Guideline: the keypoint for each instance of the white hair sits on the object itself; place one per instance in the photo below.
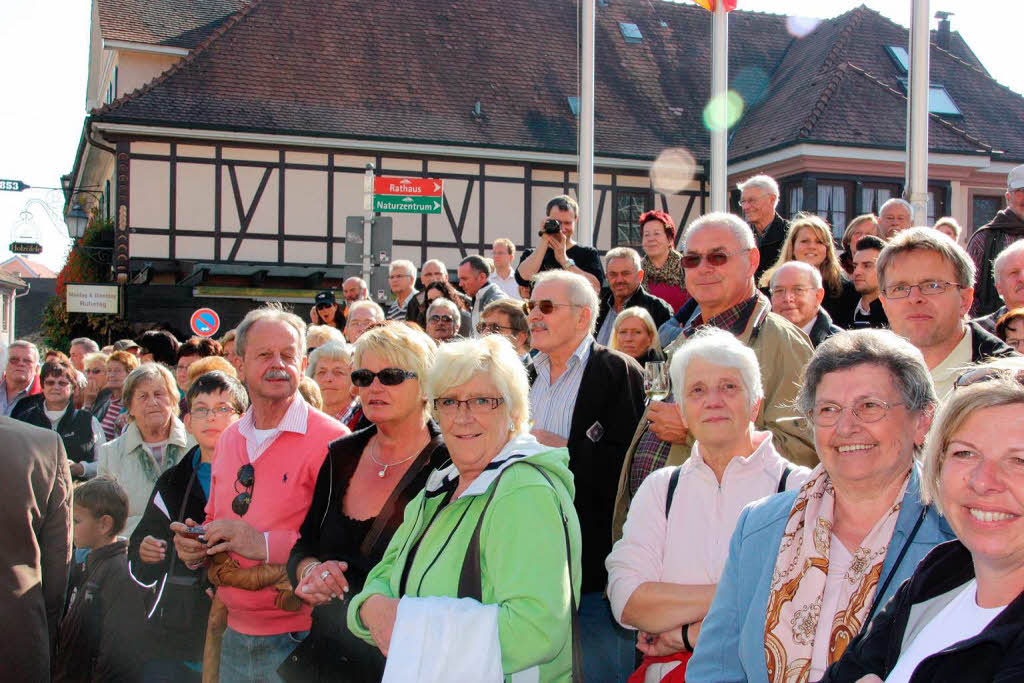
(806, 268)
(1014, 249)
(90, 345)
(494, 357)
(332, 350)
(272, 312)
(737, 226)
(579, 291)
(896, 201)
(622, 252)
(403, 263)
(437, 262)
(447, 304)
(373, 306)
(763, 182)
(718, 347)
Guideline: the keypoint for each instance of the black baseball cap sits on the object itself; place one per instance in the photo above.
(325, 298)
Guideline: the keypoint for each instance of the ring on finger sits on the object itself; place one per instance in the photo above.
(324, 574)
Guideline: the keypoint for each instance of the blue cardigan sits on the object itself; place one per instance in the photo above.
(730, 646)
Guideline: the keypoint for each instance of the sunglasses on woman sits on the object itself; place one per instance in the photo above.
(987, 374)
(389, 377)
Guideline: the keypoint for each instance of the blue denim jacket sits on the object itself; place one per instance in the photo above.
(730, 646)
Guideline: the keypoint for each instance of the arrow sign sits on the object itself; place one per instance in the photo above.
(12, 185)
(388, 204)
(407, 187)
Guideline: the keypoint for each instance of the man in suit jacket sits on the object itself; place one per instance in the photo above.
(473, 278)
(35, 548)
(588, 398)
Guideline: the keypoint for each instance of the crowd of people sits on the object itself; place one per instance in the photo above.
(756, 451)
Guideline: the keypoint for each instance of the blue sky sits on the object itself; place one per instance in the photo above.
(44, 50)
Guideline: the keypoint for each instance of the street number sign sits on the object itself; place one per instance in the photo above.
(12, 185)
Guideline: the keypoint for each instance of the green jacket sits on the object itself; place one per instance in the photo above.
(522, 553)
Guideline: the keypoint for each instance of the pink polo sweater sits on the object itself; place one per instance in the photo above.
(285, 476)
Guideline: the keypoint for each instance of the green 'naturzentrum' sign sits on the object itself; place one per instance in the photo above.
(398, 204)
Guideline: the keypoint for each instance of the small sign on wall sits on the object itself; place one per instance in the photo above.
(92, 298)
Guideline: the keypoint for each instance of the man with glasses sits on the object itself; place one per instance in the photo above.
(926, 282)
(868, 312)
(402, 280)
(759, 200)
(589, 399)
(720, 259)
(20, 381)
(507, 318)
(1006, 228)
(797, 292)
(261, 485)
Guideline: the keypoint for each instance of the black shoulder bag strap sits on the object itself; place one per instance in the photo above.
(784, 478)
(388, 510)
(470, 585)
(875, 603)
(673, 481)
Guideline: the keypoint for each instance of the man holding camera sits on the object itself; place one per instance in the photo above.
(557, 250)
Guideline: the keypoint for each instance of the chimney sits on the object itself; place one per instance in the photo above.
(942, 37)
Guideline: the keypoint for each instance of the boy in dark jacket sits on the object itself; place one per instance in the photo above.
(99, 634)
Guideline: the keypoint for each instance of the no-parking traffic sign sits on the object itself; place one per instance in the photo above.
(205, 322)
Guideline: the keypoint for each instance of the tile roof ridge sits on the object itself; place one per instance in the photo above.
(188, 59)
(980, 71)
(829, 89)
(934, 117)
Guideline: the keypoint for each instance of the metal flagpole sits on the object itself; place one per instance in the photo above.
(585, 191)
(719, 118)
(917, 113)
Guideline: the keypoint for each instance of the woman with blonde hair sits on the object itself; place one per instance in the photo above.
(635, 334)
(810, 240)
(861, 226)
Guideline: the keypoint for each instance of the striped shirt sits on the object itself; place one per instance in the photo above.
(552, 404)
(257, 441)
(397, 309)
(109, 421)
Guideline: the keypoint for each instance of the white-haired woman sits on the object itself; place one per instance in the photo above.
(960, 617)
(635, 334)
(330, 366)
(662, 573)
(153, 442)
(496, 528)
(318, 335)
(363, 487)
(808, 568)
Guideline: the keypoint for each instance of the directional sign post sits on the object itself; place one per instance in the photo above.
(205, 322)
(12, 185)
(407, 195)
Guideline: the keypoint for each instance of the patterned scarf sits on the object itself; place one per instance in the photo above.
(671, 273)
(798, 581)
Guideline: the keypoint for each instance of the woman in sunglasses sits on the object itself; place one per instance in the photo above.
(95, 370)
(960, 616)
(445, 290)
(496, 528)
(361, 493)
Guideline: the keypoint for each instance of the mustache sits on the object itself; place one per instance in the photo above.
(538, 326)
(275, 374)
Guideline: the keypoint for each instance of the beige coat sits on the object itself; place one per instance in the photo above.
(782, 351)
(126, 460)
(35, 547)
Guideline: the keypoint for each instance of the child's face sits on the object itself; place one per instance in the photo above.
(209, 415)
(91, 531)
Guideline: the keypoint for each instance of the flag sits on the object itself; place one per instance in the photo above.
(709, 5)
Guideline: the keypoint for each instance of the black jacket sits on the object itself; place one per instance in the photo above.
(75, 429)
(99, 634)
(587, 259)
(100, 405)
(179, 594)
(994, 655)
(876, 317)
(985, 345)
(608, 408)
(823, 328)
(988, 322)
(769, 244)
(840, 304)
(984, 245)
(656, 306)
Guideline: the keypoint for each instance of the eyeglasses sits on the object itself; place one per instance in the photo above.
(783, 292)
(866, 410)
(389, 377)
(204, 413)
(62, 383)
(692, 259)
(546, 306)
(493, 328)
(441, 319)
(928, 288)
(476, 406)
(246, 478)
(986, 374)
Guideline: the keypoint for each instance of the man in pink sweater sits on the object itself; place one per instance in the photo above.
(261, 485)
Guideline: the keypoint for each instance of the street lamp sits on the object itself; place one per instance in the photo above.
(77, 219)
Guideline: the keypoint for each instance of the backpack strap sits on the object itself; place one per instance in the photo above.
(673, 481)
(470, 580)
(784, 478)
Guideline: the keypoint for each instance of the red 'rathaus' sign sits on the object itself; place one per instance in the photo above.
(407, 187)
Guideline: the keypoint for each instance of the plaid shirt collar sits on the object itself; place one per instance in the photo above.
(733, 320)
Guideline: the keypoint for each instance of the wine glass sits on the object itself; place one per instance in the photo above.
(656, 380)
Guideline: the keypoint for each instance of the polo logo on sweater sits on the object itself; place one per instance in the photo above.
(284, 479)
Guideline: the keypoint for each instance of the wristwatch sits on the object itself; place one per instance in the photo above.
(569, 263)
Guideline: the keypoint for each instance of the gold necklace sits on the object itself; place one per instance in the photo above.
(382, 473)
